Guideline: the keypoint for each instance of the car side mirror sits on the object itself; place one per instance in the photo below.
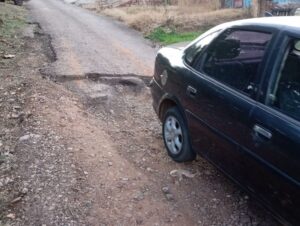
(227, 49)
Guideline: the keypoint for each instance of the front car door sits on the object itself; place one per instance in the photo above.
(273, 145)
(221, 88)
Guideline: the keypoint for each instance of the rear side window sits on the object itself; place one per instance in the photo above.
(234, 58)
(286, 94)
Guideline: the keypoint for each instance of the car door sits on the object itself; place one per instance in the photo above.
(220, 91)
(273, 145)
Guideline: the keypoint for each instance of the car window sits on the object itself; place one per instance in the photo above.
(286, 94)
(199, 46)
(235, 57)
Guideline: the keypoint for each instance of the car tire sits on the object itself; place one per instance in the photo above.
(175, 135)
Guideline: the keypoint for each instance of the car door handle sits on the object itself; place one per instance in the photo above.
(262, 132)
(191, 91)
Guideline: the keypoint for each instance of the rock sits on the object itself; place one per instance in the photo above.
(23, 138)
(28, 136)
(149, 169)
(14, 116)
(170, 197)
(11, 216)
(110, 163)
(180, 173)
(139, 196)
(24, 191)
(17, 107)
(18, 199)
(9, 56)
(166, 190)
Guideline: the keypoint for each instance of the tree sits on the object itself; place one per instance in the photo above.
(258, 7)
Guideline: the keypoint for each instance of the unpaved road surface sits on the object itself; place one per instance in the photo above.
(86, 43)
(90, 150)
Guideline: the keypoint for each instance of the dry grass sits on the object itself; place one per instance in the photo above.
(179, 18)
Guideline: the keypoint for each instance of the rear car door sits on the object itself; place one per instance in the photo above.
(220, 91)
(273, 145)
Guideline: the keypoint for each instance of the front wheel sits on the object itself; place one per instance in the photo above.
(176, 139)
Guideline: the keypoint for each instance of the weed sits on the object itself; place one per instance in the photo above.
(12, 20)
(166, 37)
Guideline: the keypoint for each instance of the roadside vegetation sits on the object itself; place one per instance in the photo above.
(166, 36)
(12, 20)
(176, 23)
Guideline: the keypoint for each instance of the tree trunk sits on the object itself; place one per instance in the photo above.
(258, 7)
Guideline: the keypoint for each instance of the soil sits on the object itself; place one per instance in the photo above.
(88, 151)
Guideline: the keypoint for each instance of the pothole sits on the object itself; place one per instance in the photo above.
(123, 79)
(105, 93)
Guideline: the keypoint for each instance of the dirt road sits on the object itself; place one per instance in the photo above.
(87, 43)
(92, 153)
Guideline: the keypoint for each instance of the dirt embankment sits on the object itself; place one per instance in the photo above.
(39, 181)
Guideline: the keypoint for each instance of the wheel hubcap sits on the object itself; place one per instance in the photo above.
(173, 135)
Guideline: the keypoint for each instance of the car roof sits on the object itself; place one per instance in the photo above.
(273, 22)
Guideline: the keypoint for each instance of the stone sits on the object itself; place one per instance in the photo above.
(170, 197)
(9, 56)
(24, 191)
(11, 216)
(23, 138)
(18, 199)
(180, 173)
(166, 190)
(139, 196)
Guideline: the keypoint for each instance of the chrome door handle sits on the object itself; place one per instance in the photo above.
(191, 91)
(262, 131)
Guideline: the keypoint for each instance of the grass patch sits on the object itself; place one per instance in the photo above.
(165, 37)
(12, 20)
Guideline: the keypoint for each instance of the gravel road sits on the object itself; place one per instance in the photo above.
(86, 43)
(107, 139)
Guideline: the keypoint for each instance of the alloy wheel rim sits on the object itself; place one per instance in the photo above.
(173, 135)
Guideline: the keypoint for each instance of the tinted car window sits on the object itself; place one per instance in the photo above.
(235, 57)
(287, 93)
